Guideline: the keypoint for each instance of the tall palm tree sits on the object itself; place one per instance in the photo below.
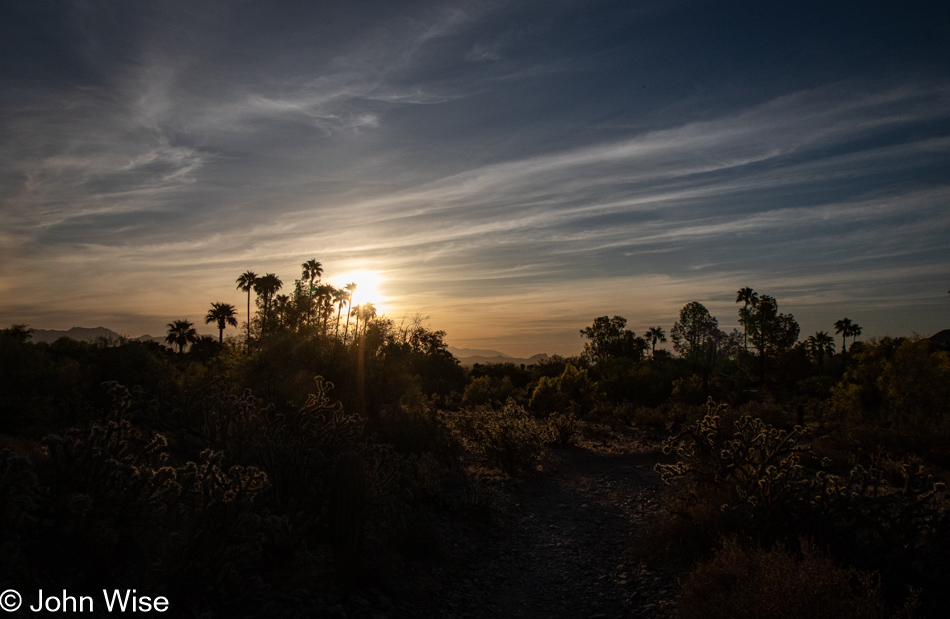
(369, 313)
(223, 314)
(819, 345)
(341, 297)
(350, 288)
(181, 333)
(312, 271)
(654, 335)
(246, 283)
(282, 310)
(748, 297)
(844, 327)
(358, 312)
(854, 332)
(266, 287)
(325, 303)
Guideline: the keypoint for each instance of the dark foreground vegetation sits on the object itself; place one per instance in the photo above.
(314, 454)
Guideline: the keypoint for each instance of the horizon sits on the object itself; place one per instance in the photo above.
(510, 170)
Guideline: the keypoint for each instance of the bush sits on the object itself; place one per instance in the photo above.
(896, 394)
(571, 391)
(750, 478)
(486, 390)
(510, 437)
(564, 428)
(742, 582)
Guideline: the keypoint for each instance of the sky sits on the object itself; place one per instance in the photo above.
(511, 170)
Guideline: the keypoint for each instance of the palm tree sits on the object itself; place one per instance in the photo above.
(181, 333)
(369, 312)
(223, 314)
(325, 294)
(282, 307)
(350, 288)
(341, 297)
(266, 287)
(748, 297)
(358, 312)
(654, 335)
(312, 271)
(844, 327)
(854, 332)
(819, 345)
(246, 283)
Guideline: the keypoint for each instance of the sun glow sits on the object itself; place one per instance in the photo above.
(368, 285)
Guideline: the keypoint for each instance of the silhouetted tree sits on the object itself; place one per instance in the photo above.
(771, 333)
(655, 335)
(854, 332)
(367, 312)
(324, 303)
(748, 297)
(222, 314)
(181, 333)
(608, 338)
(819, 345)
(246, 282)
(696, 338)
(312, 271)
(350, 289)
(341, 297)
(843, 327)
(266, 287)
(19, 333)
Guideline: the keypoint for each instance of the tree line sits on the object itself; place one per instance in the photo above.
(310, 305)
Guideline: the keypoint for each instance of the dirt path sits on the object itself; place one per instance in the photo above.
(564, 549)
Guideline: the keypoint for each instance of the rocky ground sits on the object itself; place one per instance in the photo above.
(565, 546)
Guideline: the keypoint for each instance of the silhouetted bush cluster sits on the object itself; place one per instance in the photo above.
(508, 437)
(746, 582)
(749, 477)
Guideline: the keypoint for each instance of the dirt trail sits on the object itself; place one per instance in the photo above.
(564, 550)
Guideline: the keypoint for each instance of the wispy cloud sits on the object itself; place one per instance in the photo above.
(509, 172)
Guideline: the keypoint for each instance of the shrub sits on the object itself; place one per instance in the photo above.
(743, 582)
(564, 428)
(486, 390)
(750, 478)
(510, 437)
(571, 391)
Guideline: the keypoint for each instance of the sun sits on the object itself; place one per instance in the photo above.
(368, 285)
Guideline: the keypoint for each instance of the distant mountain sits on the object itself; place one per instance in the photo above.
(475, 352)
(83, 334)
(470, 356)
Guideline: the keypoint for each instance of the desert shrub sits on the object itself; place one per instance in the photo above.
(108, 505)
(546, 396)
(486, 390)
(519, 376)
(415, 426)
(896, 391)
(508, 437)
(749, 477)
(628, 380)
(690, 390)
(564, 428)
(644, 417)
(571, 391)
(746, 582)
